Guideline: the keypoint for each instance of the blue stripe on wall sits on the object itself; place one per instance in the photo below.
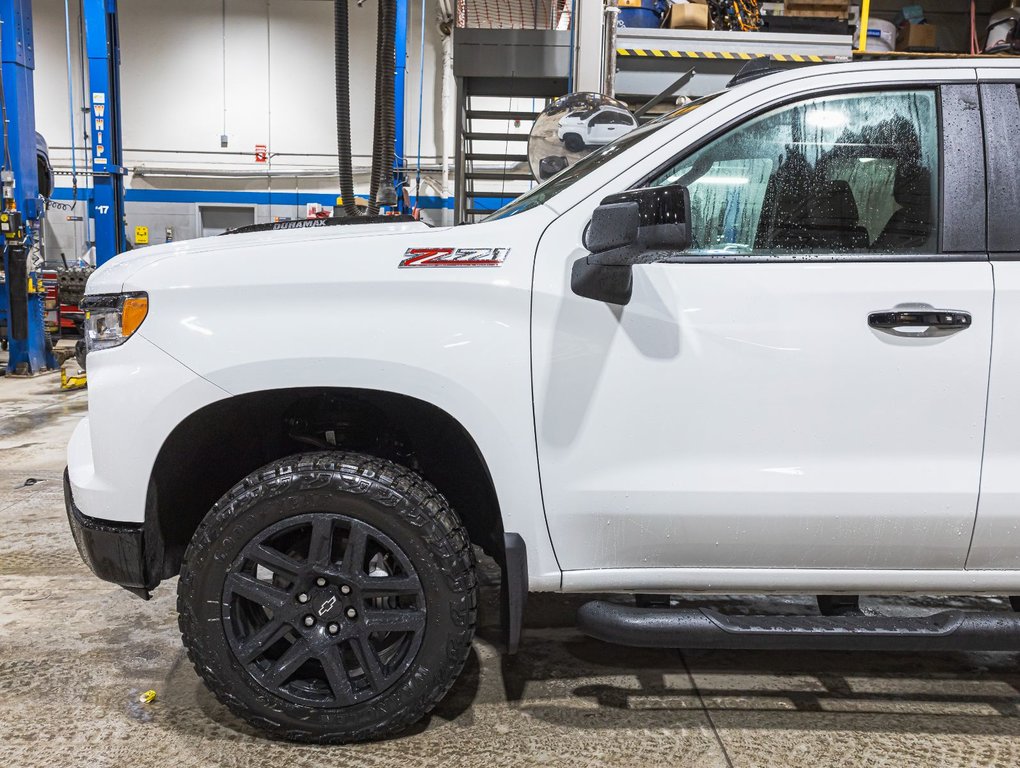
(490, 203)
(237, 197)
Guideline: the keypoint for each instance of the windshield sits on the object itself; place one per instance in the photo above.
(586, 165)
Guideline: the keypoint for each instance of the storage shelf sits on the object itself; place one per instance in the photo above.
(767, 43)
(648, 60)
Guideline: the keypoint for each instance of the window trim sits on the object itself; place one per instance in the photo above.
(943, 207)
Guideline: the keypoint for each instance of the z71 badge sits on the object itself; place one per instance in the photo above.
(455, 257)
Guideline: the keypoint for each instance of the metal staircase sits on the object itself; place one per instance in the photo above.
(493, 155)
(509, 59)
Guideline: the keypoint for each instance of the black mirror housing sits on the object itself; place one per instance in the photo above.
(612, 285)
(631, 227)
(628, 228)
(613, 226)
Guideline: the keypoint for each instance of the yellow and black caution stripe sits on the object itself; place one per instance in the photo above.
(656, 53)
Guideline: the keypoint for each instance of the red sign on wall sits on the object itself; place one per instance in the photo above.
(261, 153)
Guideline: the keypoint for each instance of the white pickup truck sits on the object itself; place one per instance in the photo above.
(595, 127)
(766, 344)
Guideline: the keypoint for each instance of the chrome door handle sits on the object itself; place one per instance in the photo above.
(919, 320)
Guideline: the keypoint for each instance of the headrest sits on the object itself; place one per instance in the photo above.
(912, 184)
(833, 201)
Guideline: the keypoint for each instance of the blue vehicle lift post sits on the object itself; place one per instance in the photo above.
(399, 93)
(23, 298)
(102, 43)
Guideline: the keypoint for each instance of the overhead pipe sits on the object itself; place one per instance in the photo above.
(612, 18)
(449, 112)
(70, 105)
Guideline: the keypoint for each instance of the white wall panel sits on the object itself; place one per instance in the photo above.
(268, 63)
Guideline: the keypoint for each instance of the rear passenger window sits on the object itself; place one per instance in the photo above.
(839, 174)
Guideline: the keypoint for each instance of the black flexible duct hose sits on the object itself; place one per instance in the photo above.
(376, 138)
(377, 127)
(387, 196)
(385, 118)
(342, 46)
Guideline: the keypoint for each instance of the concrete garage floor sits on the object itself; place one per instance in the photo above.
(76, 652)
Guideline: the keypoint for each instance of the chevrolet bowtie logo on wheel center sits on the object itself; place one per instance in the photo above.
(327, 606)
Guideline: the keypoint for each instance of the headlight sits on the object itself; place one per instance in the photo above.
(111, 319)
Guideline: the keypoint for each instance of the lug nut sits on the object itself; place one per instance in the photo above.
(333, 628)
(309, 621)
(351, 613)
(302, 598)
(320, 582)
(345, 590)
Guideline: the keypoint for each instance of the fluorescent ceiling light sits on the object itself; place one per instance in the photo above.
(826, 118)
(715, 179)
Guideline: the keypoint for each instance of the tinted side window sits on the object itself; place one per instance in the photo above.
(849, 173)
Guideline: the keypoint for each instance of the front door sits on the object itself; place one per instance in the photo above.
(767, 398)
(604, 128)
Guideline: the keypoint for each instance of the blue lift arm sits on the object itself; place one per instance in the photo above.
(102, 43)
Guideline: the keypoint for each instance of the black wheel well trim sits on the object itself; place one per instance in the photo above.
(514, 589)
(195, 451)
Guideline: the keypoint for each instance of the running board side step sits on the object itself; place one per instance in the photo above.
(705, 628)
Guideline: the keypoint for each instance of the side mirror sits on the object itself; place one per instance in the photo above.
(628, 228)
(631, 227)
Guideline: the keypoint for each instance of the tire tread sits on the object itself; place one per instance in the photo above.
(389, 484)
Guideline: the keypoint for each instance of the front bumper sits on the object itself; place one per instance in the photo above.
(114, 551)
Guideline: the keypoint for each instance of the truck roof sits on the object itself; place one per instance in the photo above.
(769, 67)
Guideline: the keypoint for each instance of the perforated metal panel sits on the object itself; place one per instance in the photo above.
(513, 14)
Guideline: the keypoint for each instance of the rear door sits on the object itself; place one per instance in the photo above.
(997, 530)
(806, 386)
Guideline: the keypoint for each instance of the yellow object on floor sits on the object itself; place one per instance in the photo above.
(68, 383)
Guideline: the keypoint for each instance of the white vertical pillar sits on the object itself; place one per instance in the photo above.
(589, 57)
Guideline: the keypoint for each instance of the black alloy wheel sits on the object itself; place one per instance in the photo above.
(329, 597)
(323, 609)
(573, 142)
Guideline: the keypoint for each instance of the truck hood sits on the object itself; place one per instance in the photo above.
(111, 277)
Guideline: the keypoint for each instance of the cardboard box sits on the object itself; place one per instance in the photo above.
(917, 37)
(819, 9)
(687, 16)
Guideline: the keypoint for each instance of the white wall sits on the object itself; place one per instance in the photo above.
(277, 87)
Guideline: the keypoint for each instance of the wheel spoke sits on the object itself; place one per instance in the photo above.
(288, 663)
(261, 592)
(368, 660)
(261, 640)
(393, 620)
(333, 665)
(320, 550)
(354, 554)
(276, 561)
(387, 586)
(271, 595)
